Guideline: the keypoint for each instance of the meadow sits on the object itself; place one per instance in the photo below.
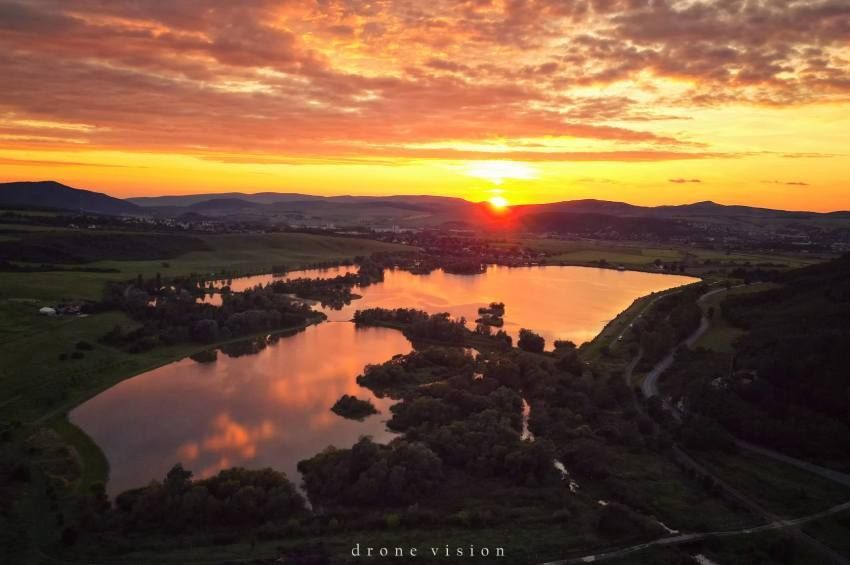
(222, 255)
(642, 255)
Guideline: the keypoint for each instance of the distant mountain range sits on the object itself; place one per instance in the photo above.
(193, 199)
(698, 209)
(223, 201)
(282, 197)
(417, 210)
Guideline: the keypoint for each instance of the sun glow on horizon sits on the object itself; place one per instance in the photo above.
(499, 202)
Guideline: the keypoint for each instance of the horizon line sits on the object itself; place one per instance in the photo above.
(349, 195)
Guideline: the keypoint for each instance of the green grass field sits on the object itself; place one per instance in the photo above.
(237, 254)
(636, 255)
(721, 336)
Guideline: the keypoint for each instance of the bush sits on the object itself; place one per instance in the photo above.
(351, 407)
(530, 341)
(206, 356)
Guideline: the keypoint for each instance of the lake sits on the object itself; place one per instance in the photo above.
(238, 284)
(272, 408)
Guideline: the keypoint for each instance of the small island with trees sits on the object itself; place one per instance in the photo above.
(353, 408)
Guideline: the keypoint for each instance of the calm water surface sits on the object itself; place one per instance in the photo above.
(272, 408)
(239, 284)
(557, 302)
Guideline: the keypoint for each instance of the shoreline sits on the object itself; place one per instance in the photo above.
(59, 417)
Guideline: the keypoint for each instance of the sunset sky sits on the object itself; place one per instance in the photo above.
(644, 101)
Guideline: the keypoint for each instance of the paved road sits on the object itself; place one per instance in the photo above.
(649, 386)
(688, 538)
(644, 310)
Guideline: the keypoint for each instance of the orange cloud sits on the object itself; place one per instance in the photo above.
(349, 81)
(232, 438)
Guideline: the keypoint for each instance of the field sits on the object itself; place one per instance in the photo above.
(721, 335)
(225, 254)
(642, 256)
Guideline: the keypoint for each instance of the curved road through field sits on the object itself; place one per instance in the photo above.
(649, 388)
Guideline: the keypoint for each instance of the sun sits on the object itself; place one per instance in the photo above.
(499, 202)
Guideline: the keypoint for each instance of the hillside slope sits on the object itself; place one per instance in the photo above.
(57, 196)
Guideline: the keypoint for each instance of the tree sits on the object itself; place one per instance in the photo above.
(178, 480)
(205, 331)
(530, 341)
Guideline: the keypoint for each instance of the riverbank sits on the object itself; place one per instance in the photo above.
(46, 376)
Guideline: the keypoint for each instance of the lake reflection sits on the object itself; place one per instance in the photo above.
(571, 303)
(239, 284)
(273, 408)
(267, 409)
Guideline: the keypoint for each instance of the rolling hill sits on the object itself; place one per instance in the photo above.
(57, 196)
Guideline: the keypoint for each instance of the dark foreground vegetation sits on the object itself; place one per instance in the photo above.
(77, 247)
(671, 320)
(786, 382)
(232, 499)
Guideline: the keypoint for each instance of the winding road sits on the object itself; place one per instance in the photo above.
(649, 387)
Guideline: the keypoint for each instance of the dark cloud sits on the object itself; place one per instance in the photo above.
(787, 183)
(685, 181)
